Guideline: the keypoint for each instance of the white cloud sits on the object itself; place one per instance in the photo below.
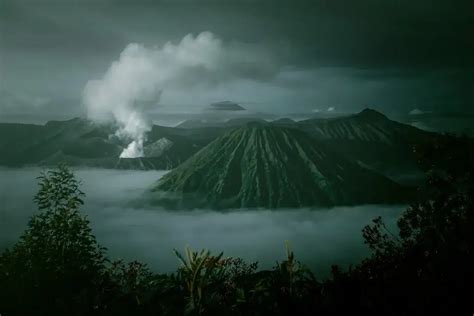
(141, 74)
(416, 112)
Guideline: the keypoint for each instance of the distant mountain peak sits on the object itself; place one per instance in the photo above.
(226, 106)
(371, 114)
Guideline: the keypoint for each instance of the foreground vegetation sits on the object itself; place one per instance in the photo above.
(58, 268)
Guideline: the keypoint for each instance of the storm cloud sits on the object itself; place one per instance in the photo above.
(394, 55)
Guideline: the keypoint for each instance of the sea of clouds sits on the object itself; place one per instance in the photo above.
(318, 237)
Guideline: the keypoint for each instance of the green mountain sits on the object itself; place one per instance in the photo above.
(80, 142)
(372, 140)
(27, 144)
(366, 126)
(368, 139)
(262, 165)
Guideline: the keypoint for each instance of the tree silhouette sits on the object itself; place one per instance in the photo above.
(57, 260)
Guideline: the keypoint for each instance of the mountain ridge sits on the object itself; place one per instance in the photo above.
(367, 138)
(367, 125)
(261, 165)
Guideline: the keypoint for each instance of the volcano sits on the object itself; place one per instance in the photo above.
(267, 166)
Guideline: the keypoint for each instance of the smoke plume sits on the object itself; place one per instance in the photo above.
(134, 82)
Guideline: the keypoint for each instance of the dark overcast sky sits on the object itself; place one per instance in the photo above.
(390, 55)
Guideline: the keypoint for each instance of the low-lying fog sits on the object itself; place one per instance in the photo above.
(318, 237)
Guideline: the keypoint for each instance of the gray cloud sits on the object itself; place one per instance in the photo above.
(423, 49)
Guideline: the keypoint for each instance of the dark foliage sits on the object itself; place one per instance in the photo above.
(423, 268)
(56, 265)
(427, 267)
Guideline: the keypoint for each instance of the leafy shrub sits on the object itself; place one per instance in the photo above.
(55, 265)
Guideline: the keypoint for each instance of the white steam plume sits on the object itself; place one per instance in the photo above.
(142, 73)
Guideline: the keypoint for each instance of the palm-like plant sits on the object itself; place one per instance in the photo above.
(198, 270)
(289, 268)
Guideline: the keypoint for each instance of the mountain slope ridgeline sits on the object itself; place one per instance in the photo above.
(261, 165)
